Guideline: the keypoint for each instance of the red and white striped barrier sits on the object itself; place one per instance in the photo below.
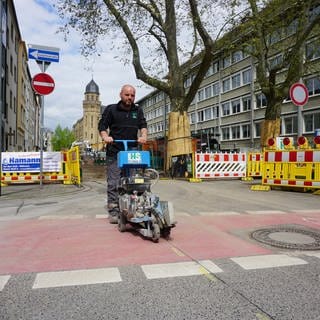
(21, 178)
(220, 165)
(292, 156)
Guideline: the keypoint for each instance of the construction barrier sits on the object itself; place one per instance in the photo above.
(71, 161)
(220, 165)
(24, 167)
(254, 164)
(292, 168)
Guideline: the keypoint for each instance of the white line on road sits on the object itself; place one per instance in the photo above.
(76, 278)
(265, 212)
(3, 281)
(224, 213)
(267, 261)
(62, 217)
(179, 269)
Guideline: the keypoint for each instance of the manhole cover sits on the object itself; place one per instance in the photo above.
(288, 237)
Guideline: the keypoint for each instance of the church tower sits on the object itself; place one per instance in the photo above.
(91, 115)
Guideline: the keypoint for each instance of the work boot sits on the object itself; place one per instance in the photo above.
(113, 219)
(113, 210)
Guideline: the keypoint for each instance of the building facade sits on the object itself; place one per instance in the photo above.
(19, 105)
(228, 109)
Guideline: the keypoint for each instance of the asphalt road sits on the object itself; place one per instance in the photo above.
(61, 259)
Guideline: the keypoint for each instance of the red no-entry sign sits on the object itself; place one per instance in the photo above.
(42, 83)
(299, 94)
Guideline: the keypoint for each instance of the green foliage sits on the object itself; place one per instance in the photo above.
(62, 139)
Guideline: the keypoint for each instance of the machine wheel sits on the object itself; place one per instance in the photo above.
(166, 232)
(155, 233)
(121, 223)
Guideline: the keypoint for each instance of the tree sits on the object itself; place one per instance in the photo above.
(277, 37)
(62, 138)
(168, 31)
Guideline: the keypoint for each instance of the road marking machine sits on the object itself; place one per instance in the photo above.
(138, 206)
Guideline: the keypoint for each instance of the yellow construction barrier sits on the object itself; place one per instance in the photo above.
(71, 164)
(292, 168)
(69, 173)
(254, 164)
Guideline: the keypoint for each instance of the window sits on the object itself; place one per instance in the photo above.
(313, 86)
(208, 114)
(275, 61)
(226, 62)
(225, 134)
(312, 122)
(215, 89)
(235, 132)
(246, 103)
(246, 76)
(246, 131)
(200, 116)
(261, 101)
(208, 92)
(257, 127)
(200, 95)
(236, 81)
(192, 117)
(215, 67)
(313, 50)
(236, 56)
(226, 85)
(236, 106)
(290, 125)
(226, 108)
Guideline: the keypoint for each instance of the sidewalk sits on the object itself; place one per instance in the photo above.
(30, 191)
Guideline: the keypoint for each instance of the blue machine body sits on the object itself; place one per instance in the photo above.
(133, 159)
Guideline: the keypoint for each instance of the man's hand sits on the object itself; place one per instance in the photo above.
(142, 140)
(108, 139)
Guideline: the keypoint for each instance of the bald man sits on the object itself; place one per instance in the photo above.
(122, 121)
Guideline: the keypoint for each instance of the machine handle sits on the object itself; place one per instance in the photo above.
(125, 143)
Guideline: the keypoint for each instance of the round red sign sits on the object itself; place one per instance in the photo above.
(299, 94)
(42, 83)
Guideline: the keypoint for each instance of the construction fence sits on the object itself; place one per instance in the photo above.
(24, 167)
(286, 167)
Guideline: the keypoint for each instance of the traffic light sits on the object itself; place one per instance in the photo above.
(302, 143)
(287, 143)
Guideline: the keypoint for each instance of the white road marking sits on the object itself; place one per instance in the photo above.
(313, 254)
(76, 278)
(181, 213)
(267, 261)
(224, 213)
(3, 281)
(62, 217)
(265, 212)
(102, 216)
(179, 269)
(304, 211)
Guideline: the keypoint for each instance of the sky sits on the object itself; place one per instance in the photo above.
(38, 24)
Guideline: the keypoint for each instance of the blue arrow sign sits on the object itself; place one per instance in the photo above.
(43, 55)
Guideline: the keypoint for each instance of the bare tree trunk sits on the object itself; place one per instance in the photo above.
(269, 129)
(179, 138)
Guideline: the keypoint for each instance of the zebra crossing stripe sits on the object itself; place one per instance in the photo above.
(3, 281)
(267, 261)
(179, 269)
(76, 278)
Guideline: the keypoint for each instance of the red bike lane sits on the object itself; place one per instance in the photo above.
(43, 245)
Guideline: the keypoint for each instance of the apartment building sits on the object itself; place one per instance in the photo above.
(19, 112)
(228, 109)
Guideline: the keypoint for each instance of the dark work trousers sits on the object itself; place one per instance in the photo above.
(113, 179)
